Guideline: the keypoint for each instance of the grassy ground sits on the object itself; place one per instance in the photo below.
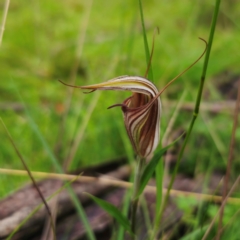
(82, 43)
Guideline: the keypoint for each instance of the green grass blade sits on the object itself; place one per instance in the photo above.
(31, 177)
(195, 113)
(125, 207)
(147, 52)
(113, 211)
(4, 19)
(196, 234)
(150, 168)
(78, 206)
(207, 56)
(159, 184)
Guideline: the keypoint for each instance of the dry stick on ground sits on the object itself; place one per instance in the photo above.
(220, 209)
(230, 159)
(5, 12)
(213, 107)
(118, 183)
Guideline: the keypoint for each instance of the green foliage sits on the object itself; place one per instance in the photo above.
(113, 211)
(196, 234)
(151, 167)
(41, 45)
(146, 46)
(187, 207)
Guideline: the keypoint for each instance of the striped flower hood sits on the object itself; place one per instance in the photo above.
(141, 111)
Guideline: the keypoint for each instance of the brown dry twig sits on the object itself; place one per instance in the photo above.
(119, 183)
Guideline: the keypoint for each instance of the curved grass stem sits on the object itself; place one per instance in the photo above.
(52, 224)
(195, 114)
(149, 71)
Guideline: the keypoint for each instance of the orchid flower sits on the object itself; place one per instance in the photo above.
(141, 111)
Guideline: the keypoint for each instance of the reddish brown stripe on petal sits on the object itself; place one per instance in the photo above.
(141, 111)
(142, 125)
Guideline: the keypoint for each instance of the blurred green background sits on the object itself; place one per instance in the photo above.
(84, 42)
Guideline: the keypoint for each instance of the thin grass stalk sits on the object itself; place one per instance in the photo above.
(159, 184)
(32, 178)
(57, 166)
(149, 75)
(146, 214)
(208, 172)
(140, 161)
(230, 159)
(4, 19)
(81, 129)
(37, 208)
(131, 33)
(220, 145)
(80, 132)
(125, 208)
(165, 139)
(220, 209)
(232, 220)
(128, 194)
(47, 234)
(161, 170)
(195, 114)
(135, 197)
(72, 78)
(177, 107)
(147, 52)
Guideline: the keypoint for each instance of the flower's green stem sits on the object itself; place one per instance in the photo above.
(135, 197)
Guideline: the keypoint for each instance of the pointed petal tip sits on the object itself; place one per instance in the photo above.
(117, 105)
(93, 90)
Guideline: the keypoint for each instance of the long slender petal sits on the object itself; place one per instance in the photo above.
(126, 83)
